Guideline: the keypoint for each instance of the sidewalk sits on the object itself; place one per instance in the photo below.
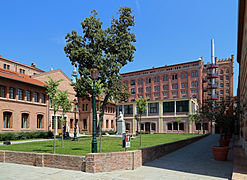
(193, 162)
(37, 140)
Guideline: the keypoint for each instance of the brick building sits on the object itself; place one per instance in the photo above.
(24, 105)
(223, 79)
(167, 82)
(179, 83)
(19, 67)
(242, 60)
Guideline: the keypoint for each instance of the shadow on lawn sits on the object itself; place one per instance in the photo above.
(77, 149)
(42, 151)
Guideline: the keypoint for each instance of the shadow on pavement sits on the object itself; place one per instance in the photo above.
(196, 158)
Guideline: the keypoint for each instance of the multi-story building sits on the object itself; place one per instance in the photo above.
(223, 75)
(180, 82)
(173, 92)
(167, 82)
(24, 105)
(19, 67)
(242, 60)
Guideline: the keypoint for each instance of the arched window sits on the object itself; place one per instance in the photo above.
(24, 120)
(169, 126)
(7, 120)
(107, 124)
(40, 121)
(175, 126)
(181, 126)
(227, 71)
(221, 72)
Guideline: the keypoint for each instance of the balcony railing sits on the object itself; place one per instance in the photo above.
(214, 97)
(212, 75)
(213, 86)
(212, 66)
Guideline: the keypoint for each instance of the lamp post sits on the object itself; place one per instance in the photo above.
(75, 137)
(94, 75)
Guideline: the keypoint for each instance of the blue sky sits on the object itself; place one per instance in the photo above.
(167, 31)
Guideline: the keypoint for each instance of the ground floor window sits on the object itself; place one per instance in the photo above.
(128, 126)
(142, 127)
(39, 120)
(169, 126)
(181, 126)
(7, 119)
(84, 123)
(175, 126)
(71, 124)
(112, 124)
(153, 126)
(59, 122)
(107, 124)
(24, 120)
(198, 126)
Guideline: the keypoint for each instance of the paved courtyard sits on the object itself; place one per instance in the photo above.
(193, 162)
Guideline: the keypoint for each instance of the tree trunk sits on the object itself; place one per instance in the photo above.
(140, 130)
(62, 128)
(54, 143)
(101, 120)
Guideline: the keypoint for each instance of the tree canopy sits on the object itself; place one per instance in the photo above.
(108, 50)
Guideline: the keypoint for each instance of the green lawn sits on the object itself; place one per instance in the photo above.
(83, 145)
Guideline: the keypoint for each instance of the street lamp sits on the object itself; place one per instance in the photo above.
(75, 137)
(94, 75)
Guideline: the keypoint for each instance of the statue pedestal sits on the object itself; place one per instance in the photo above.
(120, 124)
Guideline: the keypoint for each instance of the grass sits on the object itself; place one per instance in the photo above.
(83, 145)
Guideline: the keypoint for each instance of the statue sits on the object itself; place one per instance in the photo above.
(120, 124)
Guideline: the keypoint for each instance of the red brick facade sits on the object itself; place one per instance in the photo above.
(31, 107)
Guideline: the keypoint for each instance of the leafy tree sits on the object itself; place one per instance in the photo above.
(51, 90)
(108, 50)
(65, 104)
(141, 105)
(218, 112)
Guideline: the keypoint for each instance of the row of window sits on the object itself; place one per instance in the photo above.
(222, 72)
(165, 87)
(222, 85)
(222, 77)
(21, 93)
(165, 78)
(108, 123)
(175, 126)
(168, 107)
(6, 66)
(25, 120)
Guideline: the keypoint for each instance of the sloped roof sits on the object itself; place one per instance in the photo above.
(20, 77)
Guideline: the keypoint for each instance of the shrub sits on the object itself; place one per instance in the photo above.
(25, 135)
(111, 132)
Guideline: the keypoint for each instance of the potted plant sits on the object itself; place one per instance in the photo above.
(223, 117)
(221, 114)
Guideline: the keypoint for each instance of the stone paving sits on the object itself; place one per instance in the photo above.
(193, 162)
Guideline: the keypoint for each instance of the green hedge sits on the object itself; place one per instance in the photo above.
(25, 135)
